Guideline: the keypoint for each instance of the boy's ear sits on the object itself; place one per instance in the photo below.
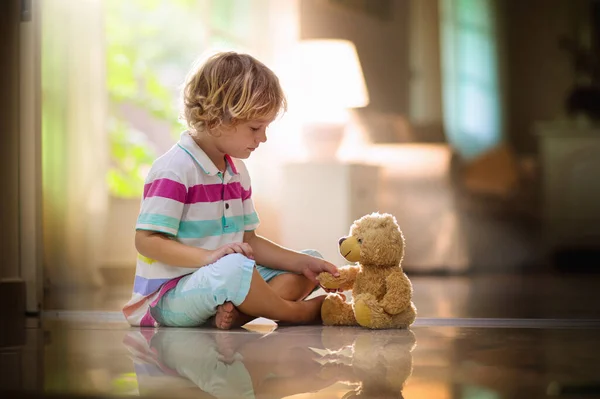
(213, 128)
(213, 132)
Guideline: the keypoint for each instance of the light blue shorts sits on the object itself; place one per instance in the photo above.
(196, 296)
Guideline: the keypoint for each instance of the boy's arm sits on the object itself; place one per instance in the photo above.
(269, 254)
(158, 246)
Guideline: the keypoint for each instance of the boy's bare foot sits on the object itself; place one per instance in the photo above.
(228, 317)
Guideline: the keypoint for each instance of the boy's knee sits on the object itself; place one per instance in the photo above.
(312, 252)
(231, 266)
(233, 263)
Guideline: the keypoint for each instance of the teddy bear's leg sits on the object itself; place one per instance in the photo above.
(369, 313)
(404, 319)
(336, 312)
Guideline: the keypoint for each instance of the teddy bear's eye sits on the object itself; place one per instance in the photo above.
(360, 240)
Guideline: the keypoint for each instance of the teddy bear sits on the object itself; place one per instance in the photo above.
(374, 364)
(381, 291)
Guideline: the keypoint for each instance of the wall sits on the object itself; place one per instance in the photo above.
(425, 114)
(12, 288)
(382, 45)
(539, 73)
(75, 200)
(9, 139)
(117, 266)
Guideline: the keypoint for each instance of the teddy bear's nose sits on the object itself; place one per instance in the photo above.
(341, 240)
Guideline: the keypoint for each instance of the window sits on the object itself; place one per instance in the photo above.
(472, 106)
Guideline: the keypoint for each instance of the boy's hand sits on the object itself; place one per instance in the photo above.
(314, 266)
(233, 248)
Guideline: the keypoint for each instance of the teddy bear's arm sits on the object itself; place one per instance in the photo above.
(344, 282)
(398, 294)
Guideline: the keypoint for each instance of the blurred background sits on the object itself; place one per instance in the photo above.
(474, 122)
(475, 129)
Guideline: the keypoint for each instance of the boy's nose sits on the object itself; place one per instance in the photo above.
(263, 137)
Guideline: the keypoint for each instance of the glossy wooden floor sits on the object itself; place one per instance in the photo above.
(482, 337)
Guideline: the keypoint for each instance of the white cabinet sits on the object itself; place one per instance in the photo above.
(570, 161)
(321, 200)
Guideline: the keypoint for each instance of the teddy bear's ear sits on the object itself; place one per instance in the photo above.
(393, 221)
(390, 217)
(387, 220)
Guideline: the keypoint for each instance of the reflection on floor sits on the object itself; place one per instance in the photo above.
(108, 358)
(484, 337)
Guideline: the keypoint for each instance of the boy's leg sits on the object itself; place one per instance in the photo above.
(263, 301)
(233, 279)
(289, 286)
(293, 287)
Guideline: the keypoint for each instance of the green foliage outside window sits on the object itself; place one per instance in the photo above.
(140, 46)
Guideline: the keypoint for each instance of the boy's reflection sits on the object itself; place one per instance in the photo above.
(226, 364)
(245, 364)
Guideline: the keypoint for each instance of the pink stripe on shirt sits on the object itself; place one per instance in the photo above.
(246, 193)
(167, 188)
(216, 192)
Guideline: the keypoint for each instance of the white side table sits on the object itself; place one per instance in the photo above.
(321, 200)
(570, 161)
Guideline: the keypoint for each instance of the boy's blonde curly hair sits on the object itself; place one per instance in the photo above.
(229, 88)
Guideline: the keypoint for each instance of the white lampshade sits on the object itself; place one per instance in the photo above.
(331, 75)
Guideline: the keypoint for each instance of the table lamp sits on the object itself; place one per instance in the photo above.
(332, 83)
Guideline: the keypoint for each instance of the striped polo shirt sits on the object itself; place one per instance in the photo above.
(188, 199)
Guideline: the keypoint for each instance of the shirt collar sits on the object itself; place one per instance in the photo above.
(187, 143)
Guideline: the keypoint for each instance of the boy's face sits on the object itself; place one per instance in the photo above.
(241, 140)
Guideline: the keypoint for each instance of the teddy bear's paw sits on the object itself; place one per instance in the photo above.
(328, 281)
